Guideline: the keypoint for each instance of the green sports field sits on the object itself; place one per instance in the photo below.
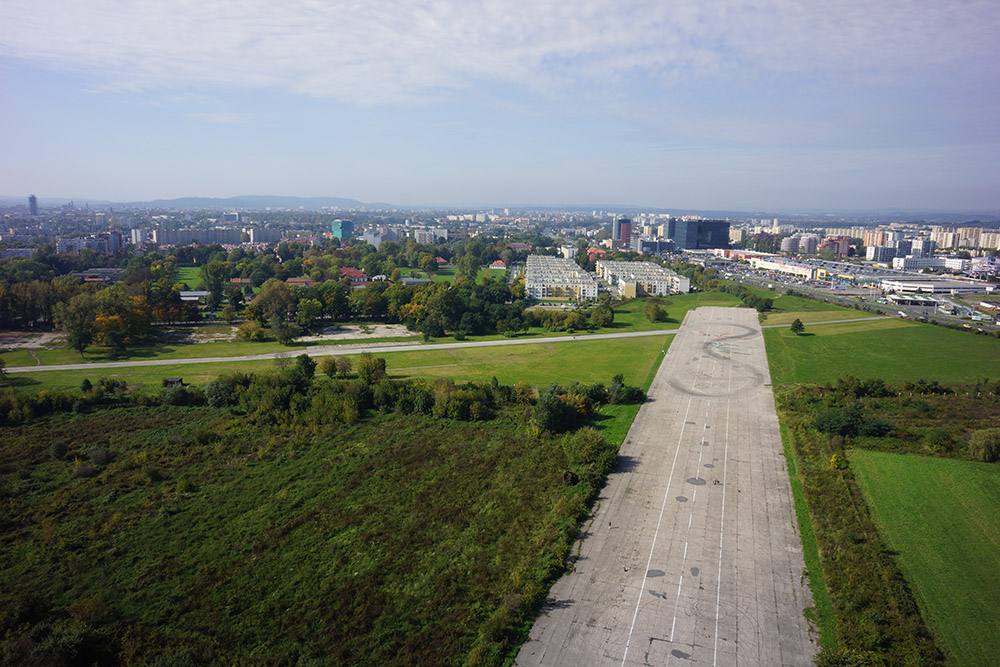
(891, 349)
(191, 275)
(942, 516)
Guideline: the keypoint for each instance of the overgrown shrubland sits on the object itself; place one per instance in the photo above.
(286, 518)
(878, 620)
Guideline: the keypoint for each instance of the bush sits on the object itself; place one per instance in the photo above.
(84, 470)
(984, 445)
(251, 331)
(58, 449)
(177, 395)
(553, 413)
(219, 395)
(100, 457)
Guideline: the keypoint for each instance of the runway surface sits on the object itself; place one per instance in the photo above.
(693, 555)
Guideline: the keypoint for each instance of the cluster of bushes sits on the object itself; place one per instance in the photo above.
(558, 320)
(290, 395)
(18, 407)
(747, 296)
(560, 410)
(850, 421)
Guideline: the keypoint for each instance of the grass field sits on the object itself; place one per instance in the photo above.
(788, 308)
(941, 516)
(542, 364)
(188, 274)
(891, 349)
(445, 274)
(497, 274)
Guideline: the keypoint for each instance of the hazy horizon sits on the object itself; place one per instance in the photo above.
(739, 107)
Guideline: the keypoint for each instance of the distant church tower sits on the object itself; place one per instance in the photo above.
(33, 204)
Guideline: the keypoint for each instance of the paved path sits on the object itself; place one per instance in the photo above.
(693, 555)
(327, 350)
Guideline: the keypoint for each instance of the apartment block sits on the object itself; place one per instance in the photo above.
(557, 277)
(642, 278)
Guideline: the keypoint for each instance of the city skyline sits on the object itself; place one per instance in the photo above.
(741, 107)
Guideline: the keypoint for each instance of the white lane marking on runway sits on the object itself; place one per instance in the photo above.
(722, 523)
(663, 507)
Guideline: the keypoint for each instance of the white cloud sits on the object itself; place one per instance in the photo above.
(391, 51)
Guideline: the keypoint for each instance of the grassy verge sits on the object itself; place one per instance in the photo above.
(941, 517)
(876, 615)
(821, 614)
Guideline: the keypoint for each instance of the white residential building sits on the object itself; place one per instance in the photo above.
(638, 278)
(557, 277)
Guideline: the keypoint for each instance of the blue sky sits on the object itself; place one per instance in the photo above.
(773, 105)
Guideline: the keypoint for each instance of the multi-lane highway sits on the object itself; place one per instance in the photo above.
(693, 555)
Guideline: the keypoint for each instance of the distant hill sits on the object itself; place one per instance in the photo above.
(250, 202)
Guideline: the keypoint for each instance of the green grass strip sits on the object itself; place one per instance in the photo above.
(821, 613)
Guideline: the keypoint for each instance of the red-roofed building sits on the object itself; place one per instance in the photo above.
(441, 260)
(595, 252)
(356, 275)
(302, 282)
(519, 246)
(498, 264)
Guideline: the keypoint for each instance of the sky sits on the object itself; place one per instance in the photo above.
(691, 104)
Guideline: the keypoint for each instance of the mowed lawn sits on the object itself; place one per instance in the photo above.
(891, 349)
(788, 308)
(943, 518)
(191, 275)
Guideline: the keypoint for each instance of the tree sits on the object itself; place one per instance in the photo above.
(328, 366)
(305, 365)
(371, 369)
(798, 327)
(654, 311)
(76, 318)
(284, 332)
(602, 316)
(308, 312)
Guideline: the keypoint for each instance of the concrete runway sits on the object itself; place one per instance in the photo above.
(693, 555)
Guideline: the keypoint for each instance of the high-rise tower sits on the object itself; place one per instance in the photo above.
(33, 204)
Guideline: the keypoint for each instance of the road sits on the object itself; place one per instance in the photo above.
(693, 554)
(852, 301)
(328, 350)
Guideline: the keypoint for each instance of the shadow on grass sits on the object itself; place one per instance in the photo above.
(18, 381)
(102, 354)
